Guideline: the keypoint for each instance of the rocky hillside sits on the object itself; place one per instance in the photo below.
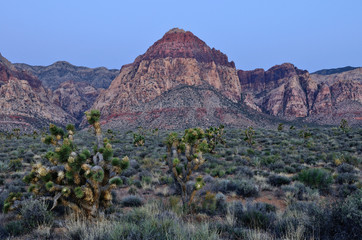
(178, 59)
(291, 93)
(75, 88)
(24, 102)
(54, 75)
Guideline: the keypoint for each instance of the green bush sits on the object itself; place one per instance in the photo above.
(316, 178)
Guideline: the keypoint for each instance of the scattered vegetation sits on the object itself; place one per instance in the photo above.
(286, 183)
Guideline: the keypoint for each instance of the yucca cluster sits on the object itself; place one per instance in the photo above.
(76, 178)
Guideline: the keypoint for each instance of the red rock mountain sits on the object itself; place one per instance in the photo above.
(178, 82)
(24, 102)
(178, 59)
(288, 92)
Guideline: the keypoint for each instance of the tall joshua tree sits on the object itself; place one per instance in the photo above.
(185, 156)
(78, 179)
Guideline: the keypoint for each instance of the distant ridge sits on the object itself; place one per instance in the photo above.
(334, 70)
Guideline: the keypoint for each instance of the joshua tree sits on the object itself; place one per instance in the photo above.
(305, 133)
(344, 125)
(78, 179)
(139, 138)
(249, 133)
(214, 136)
(184, 157)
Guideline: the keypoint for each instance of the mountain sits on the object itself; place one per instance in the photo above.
(179, 58)
(24, 102)
(54, 75)
(75, 88)
(178, 82)
(334, 70)
(290, 93)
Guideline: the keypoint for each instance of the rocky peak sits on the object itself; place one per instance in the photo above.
(179, 58)
(178, 43)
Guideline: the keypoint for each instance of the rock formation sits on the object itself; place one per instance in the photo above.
(75, 97)
(288, 92)
(178, 59)
(24, 102)
(75, 88)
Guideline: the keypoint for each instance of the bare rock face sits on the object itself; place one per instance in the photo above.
(340, 95)
(24, 102)
(75, 97)
(291, 93)
(179, 58)
(283, 90)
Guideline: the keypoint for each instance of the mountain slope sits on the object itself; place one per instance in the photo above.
(75, 88)
(24, 102)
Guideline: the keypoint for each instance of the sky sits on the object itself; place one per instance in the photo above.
(311, 34)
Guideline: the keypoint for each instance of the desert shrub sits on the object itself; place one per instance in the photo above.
(277, 166)
(28, 156)
(221, 204)
(209, 203)
(14, 228)
(316, 178)
(293, 222)
(15, 164)
(290, 169)
(345, 168)
(245, 188)
(300, 191)
(278, 180)
(346, 177)
(148, 222)
(166, 180)
(258, 215)
(345, 190)
(131, 201)
(245, 171)
(346, 218)
(35, 213)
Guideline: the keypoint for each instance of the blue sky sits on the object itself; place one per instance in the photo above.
(312, 34)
